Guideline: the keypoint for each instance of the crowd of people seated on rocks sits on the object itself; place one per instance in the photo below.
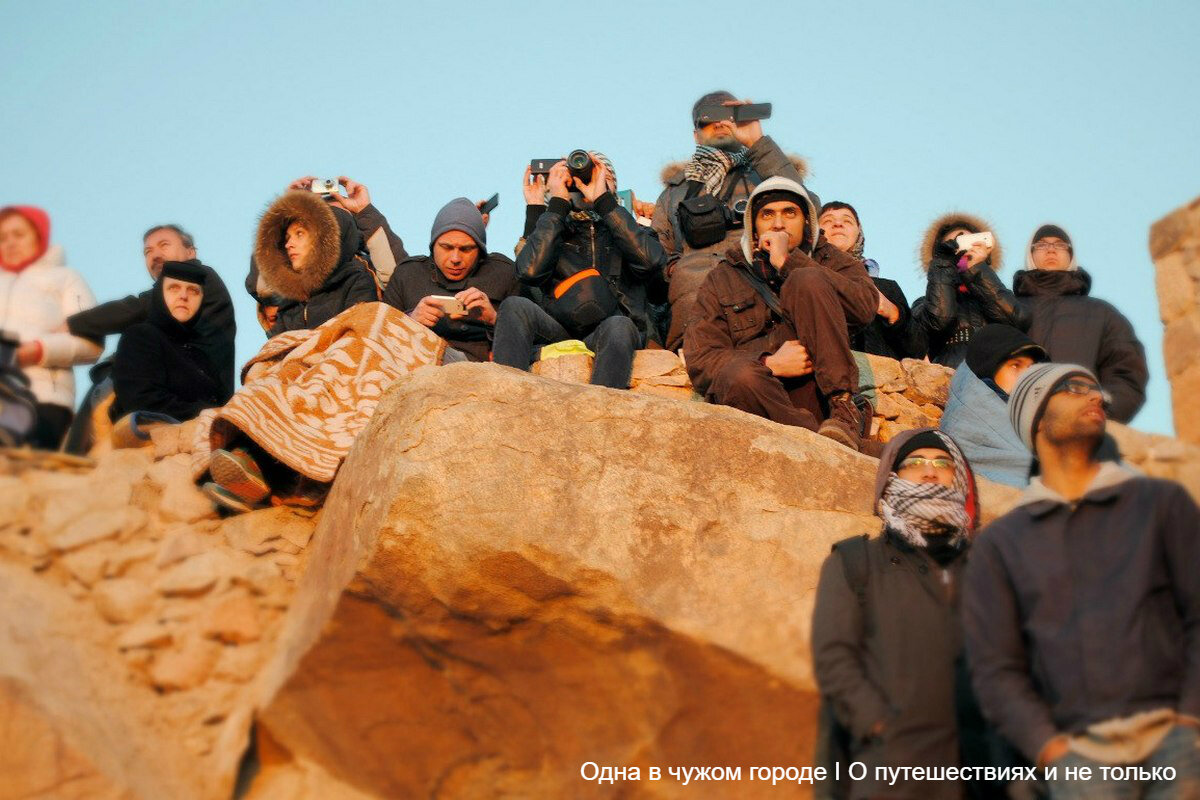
(1066, 633)
(764, 291)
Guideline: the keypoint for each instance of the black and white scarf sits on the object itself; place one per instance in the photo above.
(710, 165)
(914, 511)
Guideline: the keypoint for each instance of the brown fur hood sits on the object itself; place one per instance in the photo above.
(977, 224)
(335, 239)
(671, 170)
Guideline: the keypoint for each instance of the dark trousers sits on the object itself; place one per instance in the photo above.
(51, 426)
(522, 325)
(813, 305)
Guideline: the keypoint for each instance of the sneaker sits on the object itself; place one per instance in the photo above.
(225, 499)
(844, 422)
(235, 472)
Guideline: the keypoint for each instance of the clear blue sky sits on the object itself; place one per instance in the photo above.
(120, 115)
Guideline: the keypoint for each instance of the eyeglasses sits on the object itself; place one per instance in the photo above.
(916, 462)
(1042, 247)
(1083, 387)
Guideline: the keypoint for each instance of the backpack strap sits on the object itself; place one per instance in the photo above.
(854, 565)
(768, 296)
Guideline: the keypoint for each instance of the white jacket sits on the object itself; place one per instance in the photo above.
(34, 305)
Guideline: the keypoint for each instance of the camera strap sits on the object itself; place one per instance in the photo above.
(764, 291)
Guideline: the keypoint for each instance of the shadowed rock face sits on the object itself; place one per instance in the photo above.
(525, 575)
(1175, 248)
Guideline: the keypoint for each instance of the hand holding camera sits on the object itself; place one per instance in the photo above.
(975, 247)
(534, 188)
(476, 305)
(741, 122)
(558, 180)
(598, 185)
(430, 310)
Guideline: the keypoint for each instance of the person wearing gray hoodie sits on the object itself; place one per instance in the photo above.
(459, 265)
(1078, 329)
(770, 333)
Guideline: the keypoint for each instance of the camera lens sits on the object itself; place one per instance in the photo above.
(739, 207)
(579, 163)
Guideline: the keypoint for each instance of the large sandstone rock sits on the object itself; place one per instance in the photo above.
(1175, 248)
(520, 575)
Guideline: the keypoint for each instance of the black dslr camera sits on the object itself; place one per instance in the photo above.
(579, 164)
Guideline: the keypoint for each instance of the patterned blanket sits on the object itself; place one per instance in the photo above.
(308, 394)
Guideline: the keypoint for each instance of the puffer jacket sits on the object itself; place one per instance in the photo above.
(956, 304)
(977, 417)
(336, 275)
(564, 242)
(687, 267)
(1078, 329)
(34, 304)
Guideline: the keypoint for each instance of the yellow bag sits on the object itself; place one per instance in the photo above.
(567, 347)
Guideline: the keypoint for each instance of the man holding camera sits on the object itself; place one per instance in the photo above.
(456, 289)
(770, 331)
(592, 262)
(732, 157)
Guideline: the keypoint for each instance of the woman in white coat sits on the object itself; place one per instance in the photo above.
(38, 291)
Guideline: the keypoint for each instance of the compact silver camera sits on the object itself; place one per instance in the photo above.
(324, 186)
(965, 241)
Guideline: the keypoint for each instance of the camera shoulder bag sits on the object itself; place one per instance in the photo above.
(703, 219)
(582, 301)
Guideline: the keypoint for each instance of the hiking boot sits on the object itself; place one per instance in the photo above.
(844, 422)
(235, 472)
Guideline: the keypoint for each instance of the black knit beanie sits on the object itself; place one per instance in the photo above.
(993, 344)
(1053, 230)
(923, 439)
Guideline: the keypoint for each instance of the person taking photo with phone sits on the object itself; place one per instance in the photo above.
(455, 290)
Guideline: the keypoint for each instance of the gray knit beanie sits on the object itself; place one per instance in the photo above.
(1032, 392)
(460, 214)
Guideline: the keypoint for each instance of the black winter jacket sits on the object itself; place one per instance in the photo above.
(957, 304)
(1077, 329)
(904, 339)
(627, 254)
(214, 335)
(1077, 613)
(335, 275)
(418, 277)
(159, 366)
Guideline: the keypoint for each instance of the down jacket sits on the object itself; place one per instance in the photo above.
(336, 275)
(1078, 329)
(956, 304)
(34, 304)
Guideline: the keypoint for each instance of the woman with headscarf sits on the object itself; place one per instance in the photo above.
(891, 333)
(38, 291)
(886, 639)
(158, 367)
(963, 292)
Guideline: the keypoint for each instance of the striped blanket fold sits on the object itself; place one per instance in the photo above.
(308, 394)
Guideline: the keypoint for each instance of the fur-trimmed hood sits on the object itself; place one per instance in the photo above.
(778, 184)
(674, 169)
(335, 241)
(957, 219)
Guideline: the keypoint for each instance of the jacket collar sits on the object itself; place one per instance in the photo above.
(1040, 499)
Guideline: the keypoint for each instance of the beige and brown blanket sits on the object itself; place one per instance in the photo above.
(308, 394)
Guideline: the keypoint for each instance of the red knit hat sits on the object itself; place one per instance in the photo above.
(40, 221)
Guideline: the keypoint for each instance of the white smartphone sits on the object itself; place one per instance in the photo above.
(965, 241)
(449, 304)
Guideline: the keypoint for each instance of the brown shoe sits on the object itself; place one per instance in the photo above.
(844, 422)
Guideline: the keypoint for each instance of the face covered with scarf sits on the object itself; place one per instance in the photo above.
(938, 513)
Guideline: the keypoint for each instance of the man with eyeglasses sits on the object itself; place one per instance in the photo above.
(770, 332)
(1078, 329)
(886, 634)
(1081, 606)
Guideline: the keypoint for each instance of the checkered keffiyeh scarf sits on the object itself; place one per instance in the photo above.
(710, 165)
(916, 510)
